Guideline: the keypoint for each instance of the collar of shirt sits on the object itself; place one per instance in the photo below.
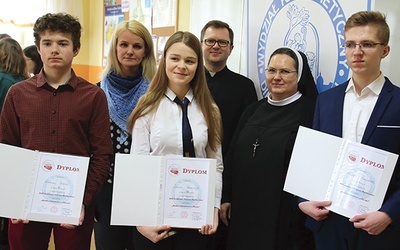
(357, 109)
(374, 87)
(218, 73)
(72, 81)
(296, 96)
(171, 95)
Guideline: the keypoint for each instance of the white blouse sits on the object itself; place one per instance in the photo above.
(160, 133)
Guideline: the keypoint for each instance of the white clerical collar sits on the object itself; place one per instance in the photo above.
(285, 101)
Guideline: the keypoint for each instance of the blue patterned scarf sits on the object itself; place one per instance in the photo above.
(123, 94)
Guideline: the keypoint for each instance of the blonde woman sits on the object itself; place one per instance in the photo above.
(130, 67)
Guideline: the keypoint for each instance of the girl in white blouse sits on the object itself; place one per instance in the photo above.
(156, 125)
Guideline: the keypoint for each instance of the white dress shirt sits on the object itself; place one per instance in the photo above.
(160, 133)
(357, 109)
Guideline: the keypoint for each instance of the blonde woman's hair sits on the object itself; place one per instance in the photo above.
(150, 101)
(12, 59)
(148, 62)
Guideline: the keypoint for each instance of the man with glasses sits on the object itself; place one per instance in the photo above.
(231, 91)
(365, 109)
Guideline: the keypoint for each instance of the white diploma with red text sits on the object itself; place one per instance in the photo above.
(163, 190)
(354, 176)
(41, 186)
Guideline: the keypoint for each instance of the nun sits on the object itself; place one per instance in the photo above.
(260, 215)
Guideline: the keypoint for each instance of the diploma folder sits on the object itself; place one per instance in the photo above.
(163, 190)
(41, 186)
(352, 175)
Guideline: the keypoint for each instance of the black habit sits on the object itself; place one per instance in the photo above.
(232, 93)
(263, 216)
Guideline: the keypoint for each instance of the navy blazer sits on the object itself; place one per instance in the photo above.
(382, 131)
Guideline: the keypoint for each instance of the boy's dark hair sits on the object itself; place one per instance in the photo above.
(4, 35)
(58, 22)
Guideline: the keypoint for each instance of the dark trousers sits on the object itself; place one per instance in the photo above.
(4, 233)
(109, 237)
(184, 239)
(218, 240)
(336, 232)
(36, 235)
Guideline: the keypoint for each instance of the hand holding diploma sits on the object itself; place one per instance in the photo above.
(81, 218)
(373, 223)
(17, 221)
(158, 233)
(210, 229)
(155, 234)
(353, 176)
(51, 190)
(180, 192)
(315, 209)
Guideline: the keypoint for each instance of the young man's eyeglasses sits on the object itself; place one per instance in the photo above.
(363, 45)
(211, 42)
(282, 72)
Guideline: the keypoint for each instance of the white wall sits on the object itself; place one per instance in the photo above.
(229, 11)
(390, 65)
(234, 13)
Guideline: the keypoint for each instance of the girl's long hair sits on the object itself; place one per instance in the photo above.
(151, 100)
(12, 59)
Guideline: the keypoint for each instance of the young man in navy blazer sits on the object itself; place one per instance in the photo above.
(365, 109)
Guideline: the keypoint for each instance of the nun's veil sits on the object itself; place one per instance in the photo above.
(306, 83)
